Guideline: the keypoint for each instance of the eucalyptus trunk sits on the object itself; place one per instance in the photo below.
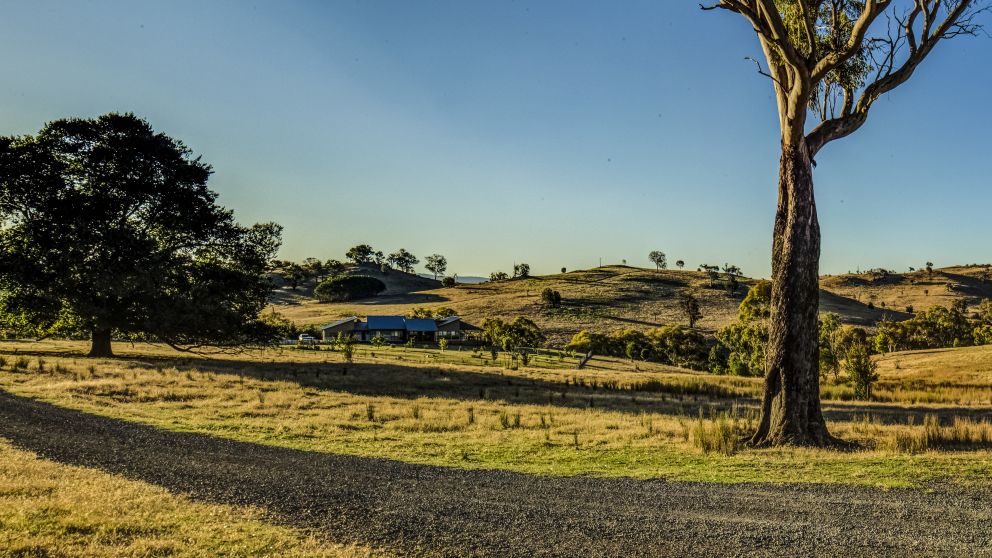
(791, 411)
(100, 343)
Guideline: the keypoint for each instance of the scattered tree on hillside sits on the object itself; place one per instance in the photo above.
(563, 270)
(333, 267)
(448, 282)
(498, 276)
(378, 258)
(689, 306)
(824, 66)
(313, 268)
(403, 260)
(361, 254)
(659, 259)
(521, 270)
(109, 228)
(294, 274)
(551, 297)
(437, 264)
(929, 270)
(680, 264)
(712, 272)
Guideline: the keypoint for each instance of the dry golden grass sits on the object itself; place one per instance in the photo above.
(50, 509)
(547, 421)
(602, 299)
(620, 297)
(917, 289)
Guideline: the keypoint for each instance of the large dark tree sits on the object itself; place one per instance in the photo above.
(828, 62)
(108, 227)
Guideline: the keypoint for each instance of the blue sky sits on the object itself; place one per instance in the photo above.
(555, 133)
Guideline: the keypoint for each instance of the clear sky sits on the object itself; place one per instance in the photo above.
(551, 132)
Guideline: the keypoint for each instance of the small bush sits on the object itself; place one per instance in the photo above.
(861, 369)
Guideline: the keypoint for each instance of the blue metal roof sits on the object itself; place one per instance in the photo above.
(386, 323)
(421, 325)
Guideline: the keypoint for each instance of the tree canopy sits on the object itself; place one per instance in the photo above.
(437, 264)
(108, 227)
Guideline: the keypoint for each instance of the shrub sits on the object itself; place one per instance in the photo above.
(679, 346)
(861, 369)
(349, 287)
(448, 282)
(983, 335)
(521, 332)
(551, 297)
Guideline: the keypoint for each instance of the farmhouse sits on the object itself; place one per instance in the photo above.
(398, 329)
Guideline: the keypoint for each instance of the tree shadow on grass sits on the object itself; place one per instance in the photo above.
(689, 395)
(420, 510)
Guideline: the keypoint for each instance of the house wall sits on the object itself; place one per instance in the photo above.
(331, 333)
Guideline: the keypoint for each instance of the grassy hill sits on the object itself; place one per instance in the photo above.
(919, 289)
(620, 297)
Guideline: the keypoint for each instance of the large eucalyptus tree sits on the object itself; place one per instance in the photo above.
(828, 62)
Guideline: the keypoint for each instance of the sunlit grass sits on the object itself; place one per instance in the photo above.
(49, 509)
(559, 422)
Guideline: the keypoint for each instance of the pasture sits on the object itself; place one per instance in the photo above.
(616, 418)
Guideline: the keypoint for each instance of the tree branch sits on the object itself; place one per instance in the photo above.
(958, 21)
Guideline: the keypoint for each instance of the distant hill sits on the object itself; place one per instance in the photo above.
(397, 283)
(918, 289)
(618, 297)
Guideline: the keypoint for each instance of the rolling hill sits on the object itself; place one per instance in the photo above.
(619, 297)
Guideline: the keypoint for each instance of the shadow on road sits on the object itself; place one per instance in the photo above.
(433, 511)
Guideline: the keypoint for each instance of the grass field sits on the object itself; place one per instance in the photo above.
(610, 420)
(49, 509)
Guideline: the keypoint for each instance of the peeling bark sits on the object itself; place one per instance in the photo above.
(791, 411)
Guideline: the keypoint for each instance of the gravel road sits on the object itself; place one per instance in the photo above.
(433, 511)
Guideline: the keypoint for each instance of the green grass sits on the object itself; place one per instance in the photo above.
(542, 421)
